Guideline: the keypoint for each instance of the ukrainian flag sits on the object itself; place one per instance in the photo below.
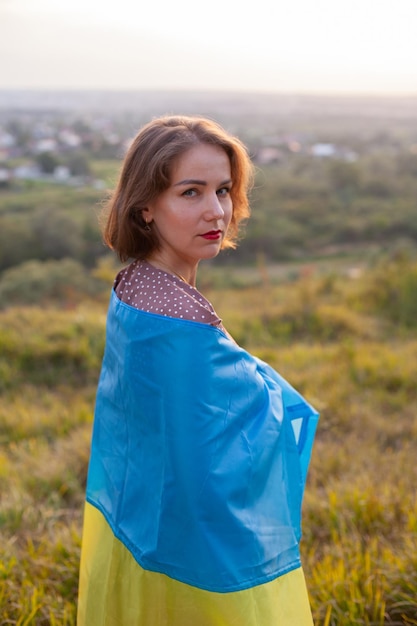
(198, 464)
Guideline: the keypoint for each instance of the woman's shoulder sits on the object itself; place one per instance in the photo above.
(155, 291)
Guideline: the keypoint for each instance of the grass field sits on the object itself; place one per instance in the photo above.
(336, 339)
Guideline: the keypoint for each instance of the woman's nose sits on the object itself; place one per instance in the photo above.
(214, 209)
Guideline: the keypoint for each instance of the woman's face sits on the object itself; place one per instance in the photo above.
(192, 216)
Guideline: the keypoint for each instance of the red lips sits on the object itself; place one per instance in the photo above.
(212, 234)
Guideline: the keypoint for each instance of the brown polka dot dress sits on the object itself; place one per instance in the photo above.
(155, 291)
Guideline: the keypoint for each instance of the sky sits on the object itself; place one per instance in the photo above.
(297, 46)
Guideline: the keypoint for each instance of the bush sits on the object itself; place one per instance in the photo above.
(47, 347)
(391, 290)
(34, 282)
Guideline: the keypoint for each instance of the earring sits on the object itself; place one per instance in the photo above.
(147, 227)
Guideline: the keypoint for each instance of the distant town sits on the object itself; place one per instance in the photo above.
(52, 137)
(335, 177)
(58, 150)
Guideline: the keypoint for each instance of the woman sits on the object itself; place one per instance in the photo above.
(200, 450)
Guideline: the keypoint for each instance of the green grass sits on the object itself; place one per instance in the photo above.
(331, 338)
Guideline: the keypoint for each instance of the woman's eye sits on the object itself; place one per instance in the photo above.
(223, 191)
(190, 193)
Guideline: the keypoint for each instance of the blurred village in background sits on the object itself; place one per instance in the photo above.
(336, 177)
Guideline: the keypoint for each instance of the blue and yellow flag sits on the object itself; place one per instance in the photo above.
(198, 464)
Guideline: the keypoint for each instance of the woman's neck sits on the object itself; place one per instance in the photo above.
(185, 274)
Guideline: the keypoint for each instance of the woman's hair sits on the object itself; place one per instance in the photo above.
(146, 172)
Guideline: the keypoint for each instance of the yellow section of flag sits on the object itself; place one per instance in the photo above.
(116, 591)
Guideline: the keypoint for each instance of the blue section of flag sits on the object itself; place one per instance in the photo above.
(195, 462)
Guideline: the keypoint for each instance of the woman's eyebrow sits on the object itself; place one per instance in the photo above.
(195, 181)
(190, 181)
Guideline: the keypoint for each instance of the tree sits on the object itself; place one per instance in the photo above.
(344, 176)
(78, 164)
(47, 162)
(57, 235)
(40, 281)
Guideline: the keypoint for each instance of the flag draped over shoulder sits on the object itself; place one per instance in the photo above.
(198, 463)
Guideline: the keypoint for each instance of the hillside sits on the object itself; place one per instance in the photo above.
(323, 287)
(334, 338)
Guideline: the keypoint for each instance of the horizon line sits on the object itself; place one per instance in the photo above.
(214, 91)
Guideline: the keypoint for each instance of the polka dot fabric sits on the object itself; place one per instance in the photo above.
(155, 291)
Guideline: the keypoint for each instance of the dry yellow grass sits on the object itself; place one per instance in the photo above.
(360, 511)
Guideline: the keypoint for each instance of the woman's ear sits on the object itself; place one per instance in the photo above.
(147, 215)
